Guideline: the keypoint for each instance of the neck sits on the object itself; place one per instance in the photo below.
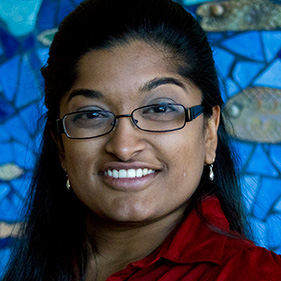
(116, 244)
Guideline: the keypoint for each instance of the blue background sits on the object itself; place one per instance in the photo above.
(243, 58)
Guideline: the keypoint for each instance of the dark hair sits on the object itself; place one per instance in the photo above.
(54, 233)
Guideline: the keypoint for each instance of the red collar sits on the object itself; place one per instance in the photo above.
(193, 241)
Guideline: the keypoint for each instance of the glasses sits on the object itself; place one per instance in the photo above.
(151, 118)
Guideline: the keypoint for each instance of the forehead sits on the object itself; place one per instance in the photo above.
(120, 72)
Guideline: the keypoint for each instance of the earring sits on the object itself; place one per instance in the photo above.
(68, 186)
(211, 173)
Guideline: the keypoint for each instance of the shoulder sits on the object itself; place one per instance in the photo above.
(242, 260)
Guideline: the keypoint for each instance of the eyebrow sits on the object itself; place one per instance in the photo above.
(85, 93)
(156, 82)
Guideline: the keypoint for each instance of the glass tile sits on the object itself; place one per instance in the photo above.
(244, 72)
(8, 77)
(274, 231)
(213, 37)
(4, 190)
(4, 135)
(268, 194)
(1, 50)
(245, 150)
(250, 185)
(30, 116)
(20, 16)
(247, 45)
(7, 154)
(259, 231)
(10, 208)
(224, 61)
(43, 54)
(24, 155)
(17, 129)
(260, 164)
(277, 207)
(272, 43)
(65, 8)
(10, 44)
(231, 87)
(6, 110)
(47, 15)
(275, 155)
(271, 76)
(28, 91)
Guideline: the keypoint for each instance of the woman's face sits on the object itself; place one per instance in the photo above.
(123, 79)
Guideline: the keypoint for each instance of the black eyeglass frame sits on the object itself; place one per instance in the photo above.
(190, 114)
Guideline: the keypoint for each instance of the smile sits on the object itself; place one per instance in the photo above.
(129, 173)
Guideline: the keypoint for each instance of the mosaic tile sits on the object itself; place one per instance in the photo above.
(263, 166)
(273, 231)
(250, 188)
(259, 231)
(4, 135)
(244, 72)
(272, 43)
(247, 45)
(47, 15)
(4, 190)
(65, 8)
(7, 154)
(8, 77)
(231, 87)
(275, 155)
(268, 194)
(224, 61)
(271, 76)
(6, 110)
(19, 16)
(245, 151)
(10, 44)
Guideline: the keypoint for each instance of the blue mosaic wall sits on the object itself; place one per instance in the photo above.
(248, 58)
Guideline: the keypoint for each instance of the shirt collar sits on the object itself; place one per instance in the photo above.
(195, 240)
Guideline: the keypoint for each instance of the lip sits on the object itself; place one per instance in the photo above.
(128, 184)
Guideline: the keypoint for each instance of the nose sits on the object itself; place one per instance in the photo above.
(126, 140)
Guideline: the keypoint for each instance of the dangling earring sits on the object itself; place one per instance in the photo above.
(68, 186)
(211, 173)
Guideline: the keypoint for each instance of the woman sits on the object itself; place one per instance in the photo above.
(136, 180)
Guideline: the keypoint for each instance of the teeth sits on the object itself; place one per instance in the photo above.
(130, 173)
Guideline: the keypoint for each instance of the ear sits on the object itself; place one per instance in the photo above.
(59, 143)
(211, 136)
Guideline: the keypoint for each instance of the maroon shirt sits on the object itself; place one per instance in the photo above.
(195, 252)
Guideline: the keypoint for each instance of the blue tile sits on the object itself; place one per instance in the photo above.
(24, 155)
(30, 116)
(224, 61)
(7, 153)
(65, 8)
(10, 208)
(1, 50)
(250, 185)
(28, 91)
(277, 207)
(245, 150)
(274, 231)
(260, 164)
(17, 129)
(275, 155)
(271, 76)
(267, 196)
(4, 134)
(247, 45)
(43, 54)
(4, 190)
(6, 110)
(10, 44)
(231, 87)
(244, 72)
(8, 77)
(213, 37)
(20, 16)
(259, 232)
(272, 43)
(47, 15)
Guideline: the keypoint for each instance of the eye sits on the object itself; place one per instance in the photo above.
(160, 109)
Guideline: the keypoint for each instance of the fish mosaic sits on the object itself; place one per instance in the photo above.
(239, 15)
(255, 115)
(10, 171)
